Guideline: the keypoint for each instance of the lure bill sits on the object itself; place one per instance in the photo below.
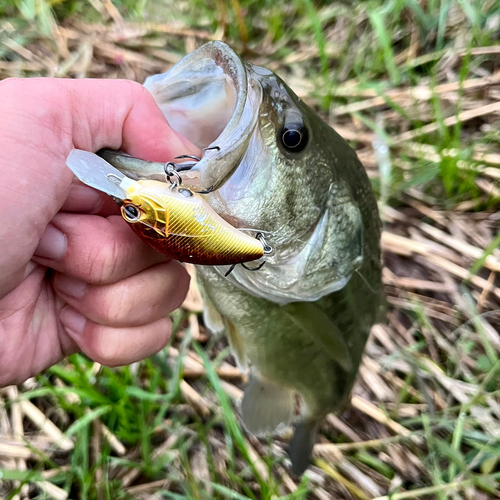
(173, 220)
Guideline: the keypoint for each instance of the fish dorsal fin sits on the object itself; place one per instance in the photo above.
(317, 325)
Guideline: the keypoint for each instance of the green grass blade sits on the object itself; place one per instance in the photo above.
(479, 263)
(384, 40)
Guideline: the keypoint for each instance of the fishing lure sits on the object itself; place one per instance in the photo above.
(172, 219)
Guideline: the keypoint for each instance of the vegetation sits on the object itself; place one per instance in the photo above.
(414, 86)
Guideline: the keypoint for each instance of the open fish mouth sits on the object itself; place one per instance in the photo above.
(216, 101)
(208, 98)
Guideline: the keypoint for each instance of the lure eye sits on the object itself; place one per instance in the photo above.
(294, 137)
(130, 213)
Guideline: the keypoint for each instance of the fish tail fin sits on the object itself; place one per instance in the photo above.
(301, 445)
(265, 405)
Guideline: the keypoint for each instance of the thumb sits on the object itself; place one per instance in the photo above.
(120, 114)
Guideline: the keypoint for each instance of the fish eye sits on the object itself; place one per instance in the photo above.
(130, 213)
(294, 137)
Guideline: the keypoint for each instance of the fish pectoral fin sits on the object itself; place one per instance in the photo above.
(236, 345)
(211, 317)
(265, 405)
(317, 325)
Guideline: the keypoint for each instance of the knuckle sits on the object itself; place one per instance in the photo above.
(43, 104)
(106, 351)
(113, 307)
(136, 89)
(102, 263)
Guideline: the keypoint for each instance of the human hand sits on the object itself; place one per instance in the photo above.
(73, 276)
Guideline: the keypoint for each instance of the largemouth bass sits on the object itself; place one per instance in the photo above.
(299, 325)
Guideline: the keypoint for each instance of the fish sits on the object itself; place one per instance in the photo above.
(298, 326)
(170, 218)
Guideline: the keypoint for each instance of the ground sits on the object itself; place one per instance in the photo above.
(414, 86)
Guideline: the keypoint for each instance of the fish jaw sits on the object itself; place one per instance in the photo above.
(208, 98)
(200, 94)
(282, 281)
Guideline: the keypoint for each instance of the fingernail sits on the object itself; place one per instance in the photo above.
(72, 320)
(69, 286)
(52, 244)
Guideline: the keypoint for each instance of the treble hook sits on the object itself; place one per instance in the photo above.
(231, 269)
(187, 165)
(181, 167)
(193, 157)
(253, 268)
(172, 168)
(267, 250)
(206, 191)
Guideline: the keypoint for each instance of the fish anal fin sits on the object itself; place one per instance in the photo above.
(265, 405)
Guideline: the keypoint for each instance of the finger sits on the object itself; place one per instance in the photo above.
(97, 250)
(115, 346)
(86, 200)
(141, 299)
(123, 115)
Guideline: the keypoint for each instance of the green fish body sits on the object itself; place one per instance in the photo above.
(299, 325)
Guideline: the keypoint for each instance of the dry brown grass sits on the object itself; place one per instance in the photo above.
(423, 421)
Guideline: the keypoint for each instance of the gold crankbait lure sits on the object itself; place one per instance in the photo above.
(173, 220)
(180, 224)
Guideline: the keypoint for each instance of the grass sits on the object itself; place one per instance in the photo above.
(414, 86)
